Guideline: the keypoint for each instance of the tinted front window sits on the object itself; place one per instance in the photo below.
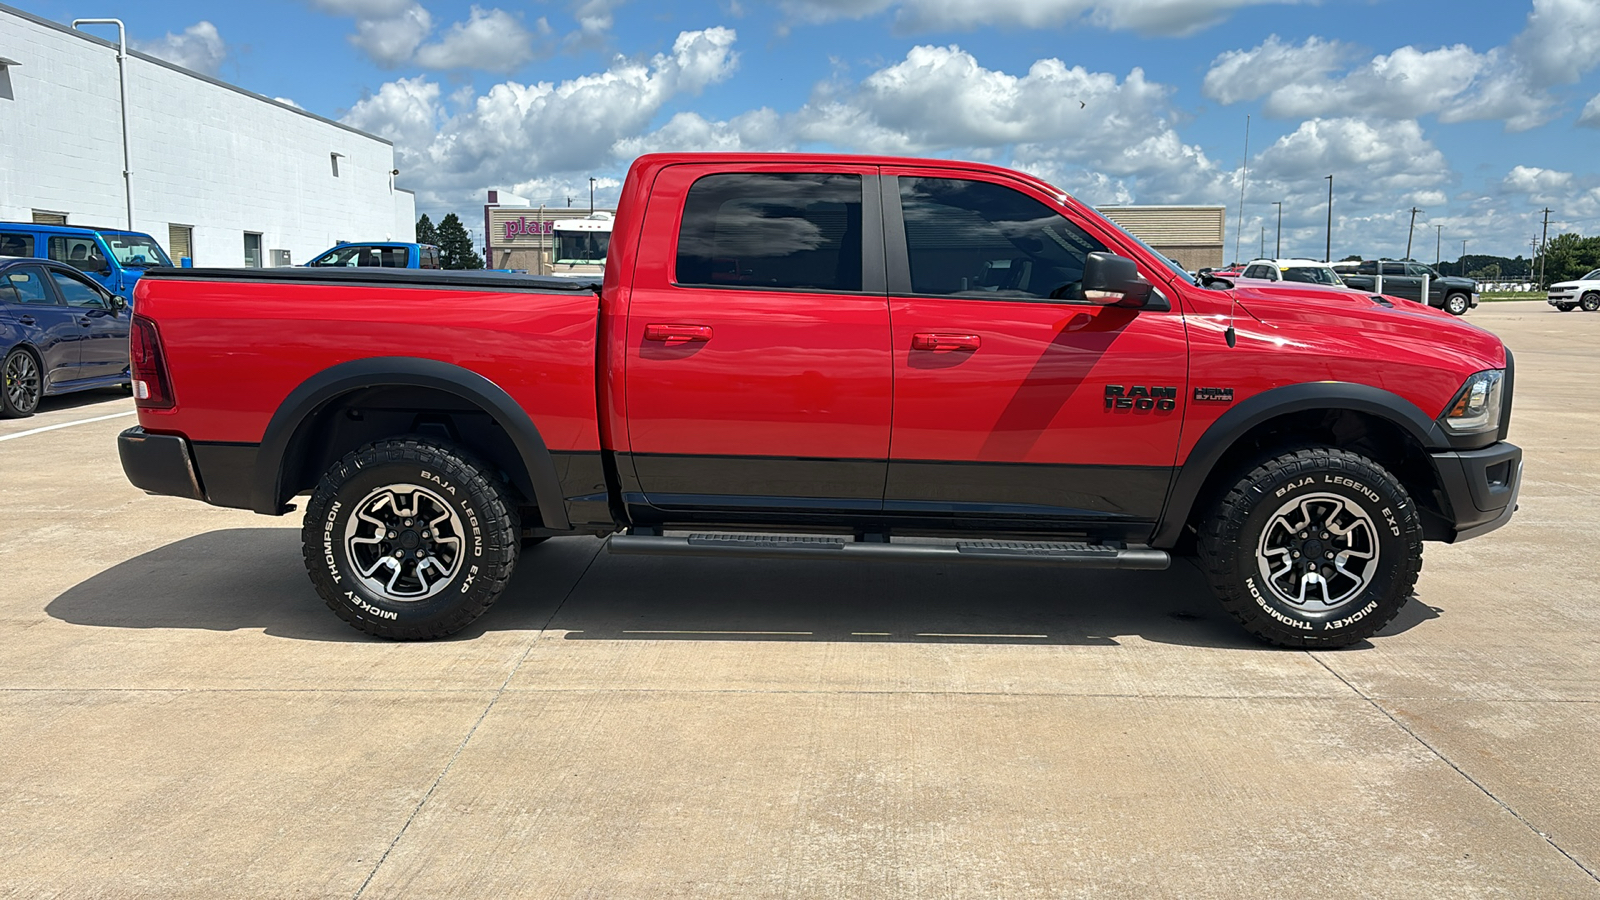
(12, 244)
(77, 292)
(1311, 275)
(982, 240)
(1394, 268)
(80, 252)
(393, 257)
(29, 288)
(582, 246)
(772, 231)
(344, 256)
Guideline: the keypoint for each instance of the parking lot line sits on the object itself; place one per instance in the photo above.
(20, 434)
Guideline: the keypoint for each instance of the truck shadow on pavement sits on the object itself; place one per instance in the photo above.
(253, 578)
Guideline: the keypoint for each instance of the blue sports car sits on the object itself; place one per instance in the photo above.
(59, 332)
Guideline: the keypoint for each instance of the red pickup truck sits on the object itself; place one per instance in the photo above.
(832, 357)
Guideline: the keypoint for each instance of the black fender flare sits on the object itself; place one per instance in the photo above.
(314, 393)
(1236, 422)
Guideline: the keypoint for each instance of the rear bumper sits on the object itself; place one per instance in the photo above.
(219, 474)
(159, 464)
(1480, 487)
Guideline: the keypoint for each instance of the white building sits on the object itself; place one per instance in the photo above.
(219, 174)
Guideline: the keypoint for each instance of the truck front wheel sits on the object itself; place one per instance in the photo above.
(409, 539)
(1457, 304)
(1314, 548)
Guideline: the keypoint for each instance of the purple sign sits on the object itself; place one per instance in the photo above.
(515, 227)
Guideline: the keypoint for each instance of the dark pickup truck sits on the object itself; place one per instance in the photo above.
(1404, 279)
(832, 358)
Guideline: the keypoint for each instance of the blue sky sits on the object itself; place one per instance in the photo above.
(1480, 113)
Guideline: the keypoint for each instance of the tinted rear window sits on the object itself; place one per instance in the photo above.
(13, 244)
(772, 231)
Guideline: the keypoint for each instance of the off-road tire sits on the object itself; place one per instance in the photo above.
(1566, 307)
(1590, 301)
(21, 384)
(431, 480)
(1457, 304)
(1231, 538)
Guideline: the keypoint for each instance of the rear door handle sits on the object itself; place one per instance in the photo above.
(944, 341)
(694, 334)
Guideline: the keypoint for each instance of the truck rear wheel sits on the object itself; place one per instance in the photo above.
(409, 539)
(1314, 548)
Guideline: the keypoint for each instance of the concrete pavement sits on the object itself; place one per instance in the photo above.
(181, 717)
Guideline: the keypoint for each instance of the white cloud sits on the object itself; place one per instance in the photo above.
(1158, 17)
(595, 18)
(199, 48)
(287, 102)
(490, 39)
(514, 129)
(1590, 117)
(390, 40)
(1511, 83)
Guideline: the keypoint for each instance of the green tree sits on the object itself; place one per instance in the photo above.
(426, 232)
(455, 245)
(1570, 256)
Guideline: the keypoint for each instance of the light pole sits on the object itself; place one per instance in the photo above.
(1263, 241)
(1438, 242)
(591, 195)
(1327, 254)
(1277, 250)
(1410, 229)
(1463, 271)
(122, 86)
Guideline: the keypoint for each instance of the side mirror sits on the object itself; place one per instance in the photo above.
(117, 303)
(1110, 279)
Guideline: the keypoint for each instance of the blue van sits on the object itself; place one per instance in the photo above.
(113, 257)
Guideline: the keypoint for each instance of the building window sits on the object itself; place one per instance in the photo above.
(46, 217)
(180, 238)
(252, 250)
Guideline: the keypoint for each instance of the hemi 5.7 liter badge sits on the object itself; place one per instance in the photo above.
(1225, 395)
(1141, 397)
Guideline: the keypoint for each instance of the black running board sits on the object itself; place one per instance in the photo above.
(761, 546)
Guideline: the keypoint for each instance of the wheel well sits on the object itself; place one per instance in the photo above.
(1374, 437)
(368, 414)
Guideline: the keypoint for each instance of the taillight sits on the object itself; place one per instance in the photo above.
(152, 388)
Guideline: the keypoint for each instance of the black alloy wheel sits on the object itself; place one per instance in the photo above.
(22, 387)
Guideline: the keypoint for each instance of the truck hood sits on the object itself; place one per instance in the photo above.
(1311, 312)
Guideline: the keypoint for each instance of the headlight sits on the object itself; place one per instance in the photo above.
(1476, 408)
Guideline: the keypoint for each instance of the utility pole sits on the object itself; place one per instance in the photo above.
(1409, 230)
(1438, 242)
(1244, 176)
(591, 195)
(1277, 250)
(569, 202)
(1263, 241)
(1327, 254)
(1544, 246)
(1463, 271)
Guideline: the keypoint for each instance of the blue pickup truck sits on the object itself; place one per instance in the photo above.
(380, 254)
(114, 258)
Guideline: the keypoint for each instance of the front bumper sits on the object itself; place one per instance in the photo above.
(1480, 487)
(159, 464)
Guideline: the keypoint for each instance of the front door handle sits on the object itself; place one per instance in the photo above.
(84, 321)
(690, 334)
(27, 320)
(944, 341)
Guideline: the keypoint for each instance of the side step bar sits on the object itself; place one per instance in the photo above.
(760, 546)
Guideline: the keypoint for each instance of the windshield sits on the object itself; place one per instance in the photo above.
(1592, 276)
(1312, 275)
(135, 250)
(582, 246)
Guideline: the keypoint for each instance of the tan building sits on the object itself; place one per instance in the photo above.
(1189, 235)
(519, 237)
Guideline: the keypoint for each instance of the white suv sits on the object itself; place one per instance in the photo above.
(1584, 292)
(1300, 271)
